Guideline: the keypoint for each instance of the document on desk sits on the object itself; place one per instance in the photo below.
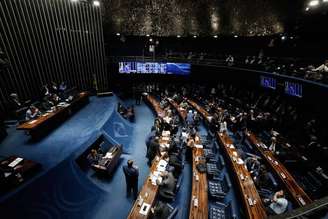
(161, 165)
(144, 209)
(15, 162)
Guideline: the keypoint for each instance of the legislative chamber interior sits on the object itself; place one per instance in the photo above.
(163, 109)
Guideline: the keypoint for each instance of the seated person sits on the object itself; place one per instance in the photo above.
(14, 101)
(167, 185)
(94, 157)
(47, 104)
(153, 150)
(121, 109)
(323, 67)
(278, 204)
(176, 162)
(160, 211)
(130, 114)
(253, 166)
(32, 113)
(55, 99)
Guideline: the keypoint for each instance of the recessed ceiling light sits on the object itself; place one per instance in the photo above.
(307, 9)
(314, 3)
(147, 35)
(118, 34)
(195, 36)
(178, 36)
(215, 36)
(96, 3)
(235, 36)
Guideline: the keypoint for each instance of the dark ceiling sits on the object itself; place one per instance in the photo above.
(200, 17)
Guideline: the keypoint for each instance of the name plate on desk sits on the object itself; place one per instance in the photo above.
(15, 162)
(144, 209)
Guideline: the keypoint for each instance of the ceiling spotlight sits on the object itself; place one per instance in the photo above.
(150, 40)
(215, 36)
(307, 9)
(147, 35)
(195, 36)
(118, 34)
(235, 36)
(283, 38)
(313, 3)
(178, 36)
(96, 3)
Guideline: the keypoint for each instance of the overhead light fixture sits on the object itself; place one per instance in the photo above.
(283, 37)
(307, 9)
(96, 3)
(325, 0)
(314, 3)
(215, 36)
(195, 36)
(150, 40)
(74, 0)
(118, 34)
(178, 36)
(235, 36)
(147, 35)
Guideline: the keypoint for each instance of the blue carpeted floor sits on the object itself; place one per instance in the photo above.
(62, 190)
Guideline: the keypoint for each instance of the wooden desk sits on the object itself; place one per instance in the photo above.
(155, 105)
(107, 165)
(39, 126)
(244, 180)
(201, 110)
(291, 186)
(199, 188)
(182, 112)
(27, 169)
(148, 191)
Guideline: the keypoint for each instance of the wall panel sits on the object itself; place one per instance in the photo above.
(50, 40)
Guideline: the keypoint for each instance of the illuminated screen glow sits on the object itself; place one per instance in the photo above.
(154, 68)
(293, 89)
(268, 82)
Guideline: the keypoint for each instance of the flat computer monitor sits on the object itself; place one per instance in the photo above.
(293, 89)
(268, 82)
(154, 68)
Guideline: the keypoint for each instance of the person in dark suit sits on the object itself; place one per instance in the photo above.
(131, 173)
(153, 149)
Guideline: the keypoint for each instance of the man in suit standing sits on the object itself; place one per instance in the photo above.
(131, 173)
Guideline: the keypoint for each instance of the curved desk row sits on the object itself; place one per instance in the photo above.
(250, 197)
(39, 126)
(294, 190)
(147, 195)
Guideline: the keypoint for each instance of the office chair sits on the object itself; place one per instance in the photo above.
(222, 211)
(218, 188)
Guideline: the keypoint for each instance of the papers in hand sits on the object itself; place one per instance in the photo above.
(15, 162)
